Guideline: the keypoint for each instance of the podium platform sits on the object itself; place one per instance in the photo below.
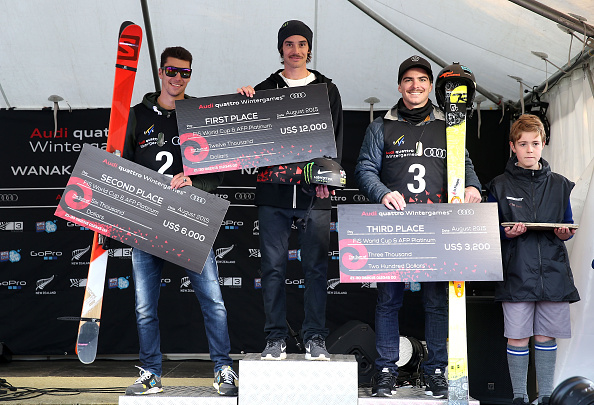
(298, 381)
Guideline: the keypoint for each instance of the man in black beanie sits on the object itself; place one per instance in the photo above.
(403, 161)
(279, 205)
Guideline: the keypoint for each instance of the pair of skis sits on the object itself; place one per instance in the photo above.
(129, 41)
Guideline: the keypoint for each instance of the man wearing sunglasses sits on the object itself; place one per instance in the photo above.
(152, 140)
(281, 204)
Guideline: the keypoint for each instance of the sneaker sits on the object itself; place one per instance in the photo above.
(224, 381)
(545, 401)
(519, 401)
(276, 349)
(384, 384)
(315, 349)
(436, 384)
(147, 383)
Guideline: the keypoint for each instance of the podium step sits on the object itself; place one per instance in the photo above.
(290, 382)
(298, 381)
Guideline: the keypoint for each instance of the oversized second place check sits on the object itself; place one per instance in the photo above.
(232, 132)
(135, 205)
(423, 242)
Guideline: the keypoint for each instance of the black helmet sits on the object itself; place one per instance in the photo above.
(455, 73)
(322, 171)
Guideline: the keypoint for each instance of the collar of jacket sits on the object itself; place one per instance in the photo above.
(436, 114)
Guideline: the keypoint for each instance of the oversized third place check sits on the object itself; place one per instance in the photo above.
(232, 132)
(423, 242)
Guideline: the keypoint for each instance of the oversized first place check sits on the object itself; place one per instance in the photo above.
(135, 205)
(423, 242)
(232, 132)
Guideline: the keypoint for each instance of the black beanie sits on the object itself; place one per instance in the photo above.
(294, 27)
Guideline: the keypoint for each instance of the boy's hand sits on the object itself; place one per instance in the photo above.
(564, 233)
(516, 230)
(247, 91)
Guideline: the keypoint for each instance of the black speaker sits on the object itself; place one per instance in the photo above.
(488, 373)
(358, 339)
(5, 353)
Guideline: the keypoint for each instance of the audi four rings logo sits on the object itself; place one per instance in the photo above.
(360, 198)
(466, 211)
(9, 197)
(197, 198)
(298, 95)
(435, 152)
(245, 196)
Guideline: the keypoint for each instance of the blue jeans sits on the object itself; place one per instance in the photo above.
(146, 270)
(387, 334)
(275, 230)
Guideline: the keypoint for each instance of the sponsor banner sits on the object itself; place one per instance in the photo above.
(39, 156)
(13, 284)
(423, 242)
(232, 132)
(11, 256)
(135, 205)
(30, 197)
(15, 226)
(245, 196)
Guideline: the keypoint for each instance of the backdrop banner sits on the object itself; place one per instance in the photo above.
(44, 260)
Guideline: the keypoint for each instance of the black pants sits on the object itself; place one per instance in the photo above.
(275, 230)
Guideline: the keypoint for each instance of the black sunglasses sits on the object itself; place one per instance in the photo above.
(172, 71)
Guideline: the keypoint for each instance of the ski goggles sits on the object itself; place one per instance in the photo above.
(172, 71)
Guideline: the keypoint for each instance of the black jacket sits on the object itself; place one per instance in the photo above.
(152, 141)
(536, 263)
(290, 196)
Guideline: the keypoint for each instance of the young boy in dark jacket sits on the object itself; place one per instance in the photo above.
(537, 285)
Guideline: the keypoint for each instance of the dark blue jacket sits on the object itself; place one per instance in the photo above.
(536, 263)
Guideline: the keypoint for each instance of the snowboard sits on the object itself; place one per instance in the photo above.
(129, 42)
(456, 96)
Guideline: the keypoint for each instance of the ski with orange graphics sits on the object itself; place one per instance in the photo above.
(129, 42)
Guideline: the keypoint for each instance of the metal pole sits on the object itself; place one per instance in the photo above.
(151, 43)
(384, 23)
(556, 16)
(577, 61)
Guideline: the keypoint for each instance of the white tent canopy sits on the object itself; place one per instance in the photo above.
(67, 47)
